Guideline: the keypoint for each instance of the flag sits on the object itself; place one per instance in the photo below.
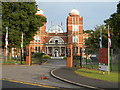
(100, 38)
(109, 40)
(22, 41)
(6, 39)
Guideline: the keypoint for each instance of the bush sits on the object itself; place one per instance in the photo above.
(46, 57)
(38, 55)
(65, 58)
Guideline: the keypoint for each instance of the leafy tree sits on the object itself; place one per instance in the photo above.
(92, 43)
(88, 31)
(20, 17)
(114, 22)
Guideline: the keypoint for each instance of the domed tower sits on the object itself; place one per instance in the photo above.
(75, 30)
(39, 38)
(41, 13)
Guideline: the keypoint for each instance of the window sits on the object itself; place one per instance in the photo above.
(63, 50)
(56, 41)
(50, 50)
(75, 49)
(75, 27)
(35, 48)
(51, 41)
(36, 39)
(38, 49)
(75, 39)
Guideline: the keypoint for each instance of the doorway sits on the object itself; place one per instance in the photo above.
(56, 52)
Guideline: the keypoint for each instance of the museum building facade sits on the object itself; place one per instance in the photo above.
(54, 41)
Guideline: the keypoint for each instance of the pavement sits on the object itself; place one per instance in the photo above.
(64, 77)
(68, 75)
(33, 74)
(10, 84)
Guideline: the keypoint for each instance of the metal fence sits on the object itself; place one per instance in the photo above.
(91, 60)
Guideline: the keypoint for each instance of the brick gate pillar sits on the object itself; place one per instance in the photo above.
(69, 62)
(28, 55)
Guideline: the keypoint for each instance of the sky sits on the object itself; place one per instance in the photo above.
(93, 13)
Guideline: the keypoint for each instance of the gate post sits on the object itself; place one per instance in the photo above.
(28, 55)
(69, 62)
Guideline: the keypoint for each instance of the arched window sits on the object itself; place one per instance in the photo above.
(36, 39)
(56, 40)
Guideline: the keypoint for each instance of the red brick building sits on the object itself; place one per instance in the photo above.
(54, 41)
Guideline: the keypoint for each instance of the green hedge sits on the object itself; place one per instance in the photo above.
(46, 57)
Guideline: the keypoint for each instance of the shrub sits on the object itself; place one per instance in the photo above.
(65, 58)
(46, 57)
(38, 55)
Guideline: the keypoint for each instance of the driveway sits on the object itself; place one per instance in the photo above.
(33, 74)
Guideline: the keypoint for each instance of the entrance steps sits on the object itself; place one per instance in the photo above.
(57, 57)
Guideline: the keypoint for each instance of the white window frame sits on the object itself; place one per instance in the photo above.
(75, 39)
(36, 38)
(75, 28)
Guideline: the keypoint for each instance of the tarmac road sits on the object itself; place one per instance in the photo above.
(33, 74)
(8, 84)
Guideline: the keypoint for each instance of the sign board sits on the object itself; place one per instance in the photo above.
(93, 56)
(103, 55)
(103, 67)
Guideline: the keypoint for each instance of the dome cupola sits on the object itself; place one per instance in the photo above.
(74, 12)
(39, 12)
(55, 29)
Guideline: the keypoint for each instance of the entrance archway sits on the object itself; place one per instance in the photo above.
(56, 52)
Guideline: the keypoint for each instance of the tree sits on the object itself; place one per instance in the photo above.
(114, 22)
(88, 31)
(92, 43)
(20, 17)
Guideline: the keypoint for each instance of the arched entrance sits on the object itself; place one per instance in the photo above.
(56, 52)
(56, 47)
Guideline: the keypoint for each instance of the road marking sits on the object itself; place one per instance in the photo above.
(28, 83)
(92, 87)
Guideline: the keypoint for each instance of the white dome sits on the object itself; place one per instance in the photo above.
(74, 12)
(39, 11)
(55, 29)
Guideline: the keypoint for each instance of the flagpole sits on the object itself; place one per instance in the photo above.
(108, 51)
(21, 48)
(108, 61)
(6, 42)
(100, 38)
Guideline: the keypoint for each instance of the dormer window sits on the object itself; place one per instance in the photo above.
(36, 39)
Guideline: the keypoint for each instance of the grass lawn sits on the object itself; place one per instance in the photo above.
(95, 66)
(12, 62)
(113, 77)
(35, 60)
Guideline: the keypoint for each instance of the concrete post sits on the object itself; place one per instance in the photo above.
(70, 59)
(28, 56)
